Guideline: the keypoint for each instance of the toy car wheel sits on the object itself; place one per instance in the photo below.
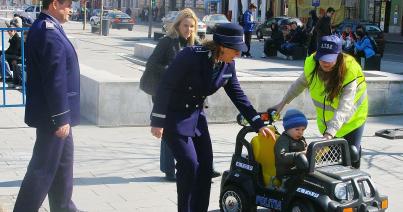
(234, 199)
(298, 206)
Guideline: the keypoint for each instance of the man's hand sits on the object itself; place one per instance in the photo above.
(266, 132)
(63, 131)
(157, 132)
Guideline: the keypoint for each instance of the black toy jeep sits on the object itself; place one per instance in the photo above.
(325, 180)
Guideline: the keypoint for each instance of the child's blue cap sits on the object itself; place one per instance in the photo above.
(294, 118)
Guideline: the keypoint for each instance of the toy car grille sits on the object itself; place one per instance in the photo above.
(328, 155)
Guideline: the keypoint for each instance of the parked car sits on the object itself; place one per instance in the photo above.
(118, 19)
(213, 20)
(32, 11)
(170, 19)
(121, 20)
(94, 19)
(265, 30)
(372, 30)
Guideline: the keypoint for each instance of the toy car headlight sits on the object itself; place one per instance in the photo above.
(344, 191)
(340, 191)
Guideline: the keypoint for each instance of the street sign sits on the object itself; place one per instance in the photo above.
(315, 3)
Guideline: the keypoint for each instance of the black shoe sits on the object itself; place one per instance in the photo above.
(215, 174)
(170, 177)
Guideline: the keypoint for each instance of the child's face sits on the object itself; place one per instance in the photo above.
(296, 133)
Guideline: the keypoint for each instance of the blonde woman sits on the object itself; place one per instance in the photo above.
(181, 34)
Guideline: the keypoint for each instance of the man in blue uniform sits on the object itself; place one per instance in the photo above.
(53, 100)
(178, 115)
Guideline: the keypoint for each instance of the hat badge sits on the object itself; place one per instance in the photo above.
(326, 46)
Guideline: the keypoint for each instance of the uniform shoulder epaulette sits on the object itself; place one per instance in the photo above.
(49, 25)
(199, 49)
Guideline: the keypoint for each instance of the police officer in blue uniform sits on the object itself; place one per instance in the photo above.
(53, 101)
(178, 116)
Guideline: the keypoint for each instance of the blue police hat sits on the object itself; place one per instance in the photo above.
(230, 35)
(329, 48)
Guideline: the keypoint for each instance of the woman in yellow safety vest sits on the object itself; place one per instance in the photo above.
(338, 90)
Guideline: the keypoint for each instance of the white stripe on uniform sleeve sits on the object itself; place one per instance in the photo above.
(158, 115)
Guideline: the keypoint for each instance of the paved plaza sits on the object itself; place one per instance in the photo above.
(117, 169)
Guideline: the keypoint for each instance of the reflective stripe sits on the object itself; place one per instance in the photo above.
(158, 115)
(256, 118)
(356, 105)
(320, 105)
(61, 113)
(330, 108)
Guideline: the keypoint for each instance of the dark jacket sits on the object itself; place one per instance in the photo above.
(277, 36)
(14, 50)
(297, 36)
(286, 149)
(53, 76)
(191, 77)
(323, 27)
(163, 54)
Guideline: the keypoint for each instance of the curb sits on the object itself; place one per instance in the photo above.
(394, 41)
(134, 60)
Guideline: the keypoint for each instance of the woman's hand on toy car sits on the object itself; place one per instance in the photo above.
(278, 107)
(327, 136)
(267, 132)
(157, 132)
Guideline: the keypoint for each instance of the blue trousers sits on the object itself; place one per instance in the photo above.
(354, 138)
(50, 171)
(194, 156)
(167, 160)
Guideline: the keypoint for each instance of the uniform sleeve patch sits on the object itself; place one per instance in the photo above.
(49, 25)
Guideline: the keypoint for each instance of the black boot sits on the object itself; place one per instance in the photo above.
(215, 173)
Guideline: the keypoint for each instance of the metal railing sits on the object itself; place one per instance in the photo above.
(3, 68)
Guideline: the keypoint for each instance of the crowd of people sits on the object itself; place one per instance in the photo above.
(358, 44)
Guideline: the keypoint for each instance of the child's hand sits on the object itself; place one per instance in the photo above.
(267, 132)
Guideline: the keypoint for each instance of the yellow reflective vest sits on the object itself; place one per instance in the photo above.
(325, 109)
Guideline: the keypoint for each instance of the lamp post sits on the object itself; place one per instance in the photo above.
(100, 17)
(85, 15)
(150, 24)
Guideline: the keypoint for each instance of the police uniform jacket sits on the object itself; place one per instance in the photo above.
(53, 76)
(189, 79)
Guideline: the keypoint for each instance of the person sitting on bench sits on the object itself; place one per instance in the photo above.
(276, 40)
(294, 38)
(13, 53)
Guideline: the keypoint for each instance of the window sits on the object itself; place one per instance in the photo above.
(372, 29)
(29, 9)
